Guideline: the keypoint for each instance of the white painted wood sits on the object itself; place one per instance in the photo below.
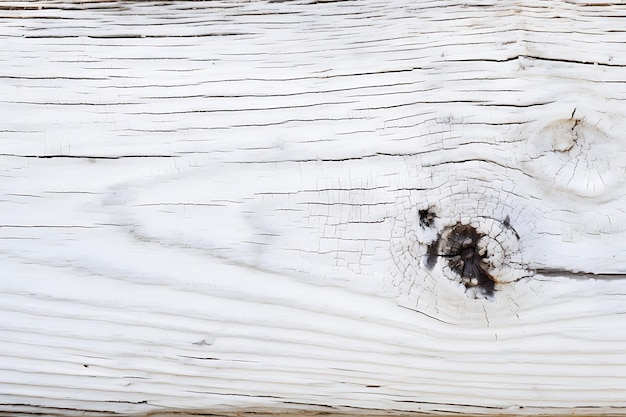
(214, 207)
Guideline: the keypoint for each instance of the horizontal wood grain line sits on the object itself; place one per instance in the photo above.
(88, 157)
(549, 272)
(136, 36)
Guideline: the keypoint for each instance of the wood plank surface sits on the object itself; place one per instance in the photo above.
(355, 207)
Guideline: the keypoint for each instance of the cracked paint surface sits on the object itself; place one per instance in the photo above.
(265, 207)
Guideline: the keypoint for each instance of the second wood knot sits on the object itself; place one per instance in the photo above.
(579, 154)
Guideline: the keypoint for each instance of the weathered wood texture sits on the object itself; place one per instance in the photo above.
(231, 207)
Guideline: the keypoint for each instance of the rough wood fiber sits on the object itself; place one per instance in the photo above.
(240, 207)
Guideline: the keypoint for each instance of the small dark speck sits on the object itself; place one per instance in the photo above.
(427, 217)
(372, 386)
(507, 224)
(86, 366)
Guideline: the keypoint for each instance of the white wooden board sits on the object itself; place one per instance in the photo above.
(252, 207)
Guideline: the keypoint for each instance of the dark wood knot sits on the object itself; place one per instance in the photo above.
(477, 259)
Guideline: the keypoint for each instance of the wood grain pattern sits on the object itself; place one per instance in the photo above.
(241, 207)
